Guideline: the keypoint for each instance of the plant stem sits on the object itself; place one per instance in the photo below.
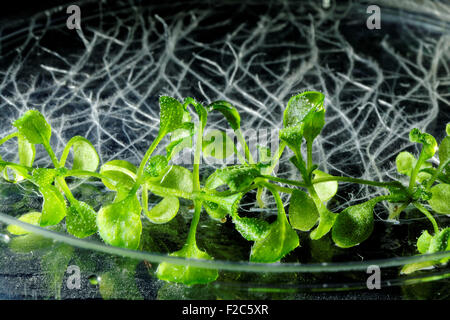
(194, 223)
(147, 155)
(65, 188)
(244, 145)
(335, 178)
(309, 162)
(52, 155)
(439, 169)
(428, 215)
(144, 196)
(415, 172)
(278, 201)
(9, 136)
(399, 210)
(59, 180)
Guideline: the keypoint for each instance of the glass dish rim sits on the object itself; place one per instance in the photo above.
(237, 266)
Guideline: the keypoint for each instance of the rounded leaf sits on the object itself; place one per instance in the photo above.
(423, 243)
(171, 114)
(156, 166)
(184, 273)
(178, 178)
(54, 206)
(280, 240)
(121, 174)
(405, 162)
(252, 229)
(85, 156)
(228, 111)
(353, 225)
(303, 213)
(30, 217)
(164, 211)
(119, 224)
(33, 126)
(325, 190)
(81, 219)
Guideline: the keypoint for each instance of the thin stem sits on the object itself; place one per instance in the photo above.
(9, 136)
(148, 154)
(399, 210)
(65, 188)
(335, 178)
(144, 196)
(428, 215)
(12, 164)
(52, 155)
(439, 169)
(277, 156)
(194, 223)
(415, 172)
(309, 162)
(197, 157)
(77, 173)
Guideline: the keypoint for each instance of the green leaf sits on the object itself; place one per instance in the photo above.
(427, 140)
(279, 241)
(30, 217)
(430, 244)
(156, 166)
(54, 207)
(326, 222)
(405, 162)
(180, 139)
(303, 116)
(164, 211)
(447, 129)
(238, 177)
(303, 213)
(228, 111)
(313, 124)
(354, 224)
(217, 144)
(440, 242)
(444, 152)
(300, 106)
(171, 114)
(325, 190)
(119, 224)
(293, 137)
(33, 126)
(121, 174)
(252, 229)
(440, 200)
(81, 219)
(423, 243)
(85, 156)
(27, 151)
(187, 274)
